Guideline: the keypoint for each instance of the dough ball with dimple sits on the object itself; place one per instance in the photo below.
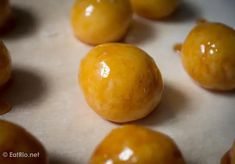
(5, 12)
(155, 9)
(5, 65)
(100, 21)
(120, 82)
(208, 56)
(131, 144)
(229, 157)
(15, 139)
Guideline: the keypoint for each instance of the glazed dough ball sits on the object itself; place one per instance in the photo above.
(100, 21)
(15, 139)
(136, 145)
(4, 12)
(208, 56)
(120, 82)
(229, 157)
(155, 9)
(5, 65)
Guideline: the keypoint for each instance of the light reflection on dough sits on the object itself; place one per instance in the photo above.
(105, 70)
(125, 154)
(89, 10)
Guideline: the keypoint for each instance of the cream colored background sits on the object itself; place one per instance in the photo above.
(48, 101)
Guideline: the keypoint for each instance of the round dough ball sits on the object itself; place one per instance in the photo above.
(120, 82)
(15, 139)
(229, 157)
(136, 145)
(5, 65)
(155, 9)
(5, 12)
(208, 56)
(100, 21)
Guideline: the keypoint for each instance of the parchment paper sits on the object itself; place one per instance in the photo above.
(48, 102)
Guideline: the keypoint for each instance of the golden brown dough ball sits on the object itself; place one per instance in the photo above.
(155, 9)
(131, 144)
(15, 139)
(100, 21)
(5, 12)
(208, 56)
(229, 157)
(5, 65)
(120, 82)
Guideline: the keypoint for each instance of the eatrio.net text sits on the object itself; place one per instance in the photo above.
(20, 154)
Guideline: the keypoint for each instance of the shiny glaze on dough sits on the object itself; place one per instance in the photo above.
(131, 144)
(120, 82)
(100, 21)
(208, 56)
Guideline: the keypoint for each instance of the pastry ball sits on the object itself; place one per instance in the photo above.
(120, 82)
(154, 9)
(15, 139)
(208, 56)
(5, 12)
(5, 65)
(131, 144)
(229, 157)
(100, 21)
